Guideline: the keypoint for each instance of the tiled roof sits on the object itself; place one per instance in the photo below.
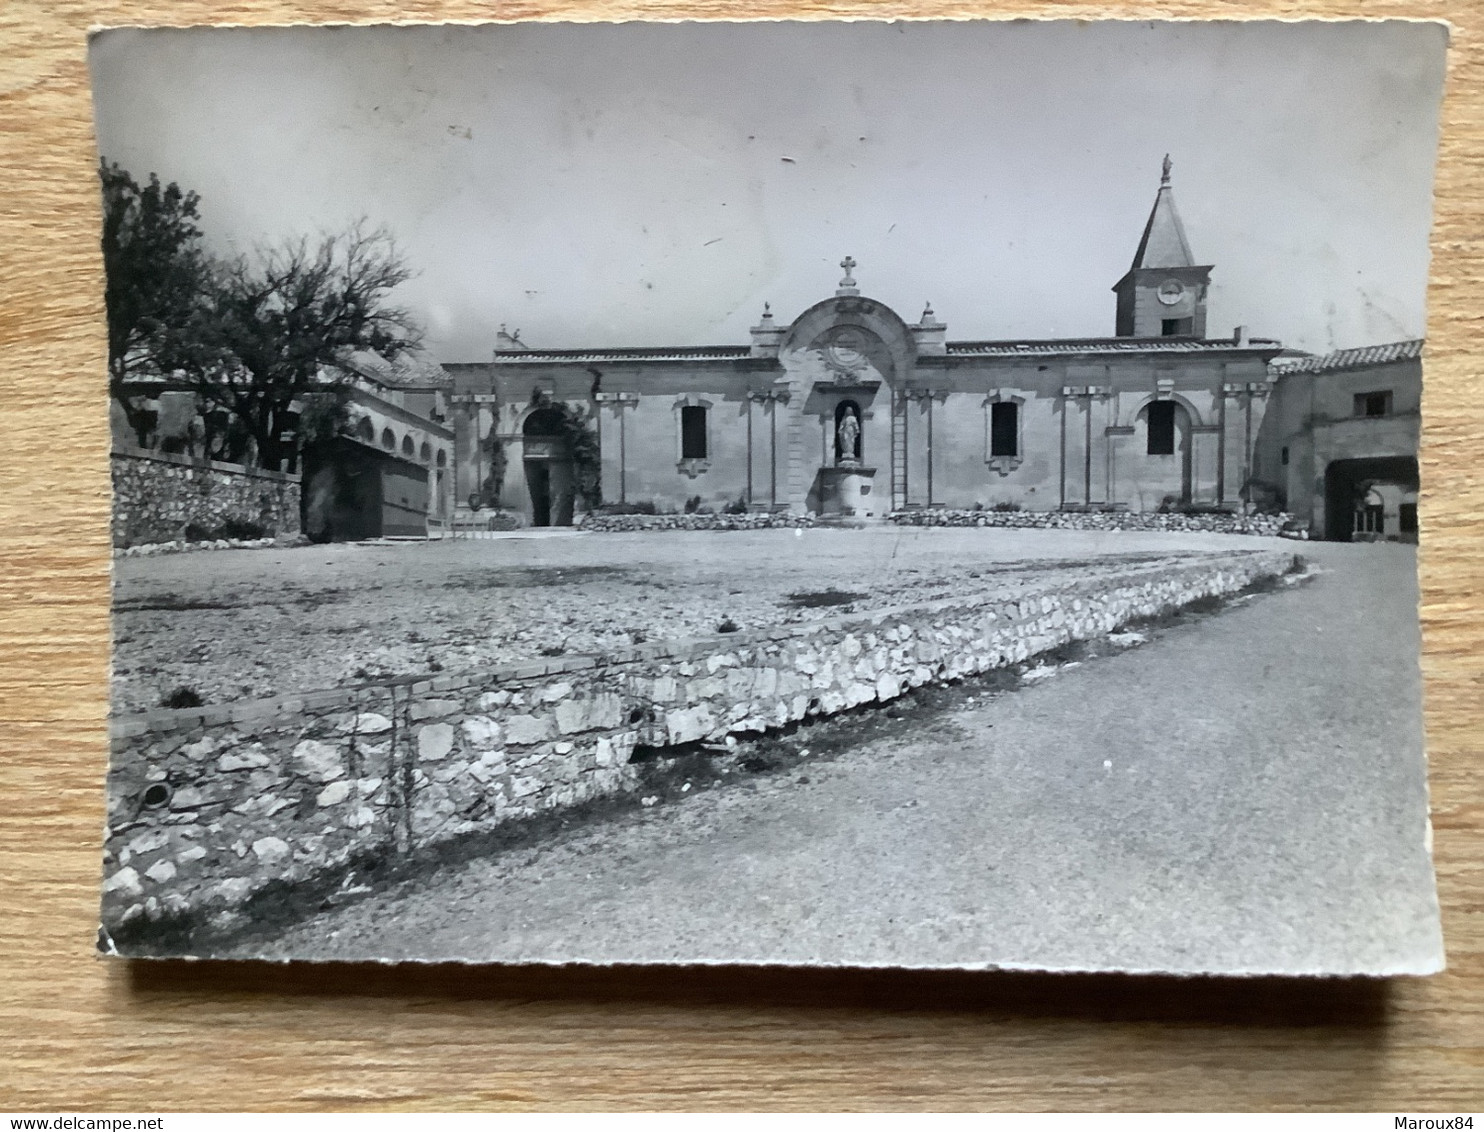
(409, 370)
(1052, 347)
(627, 354)
(1357, 358)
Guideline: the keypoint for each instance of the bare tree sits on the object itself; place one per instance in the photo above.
(279, 321)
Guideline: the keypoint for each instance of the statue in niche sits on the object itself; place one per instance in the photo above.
(847, 434)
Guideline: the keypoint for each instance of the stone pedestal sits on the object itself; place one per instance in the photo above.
(847, 491)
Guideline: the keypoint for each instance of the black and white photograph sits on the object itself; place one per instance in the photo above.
(853, 494)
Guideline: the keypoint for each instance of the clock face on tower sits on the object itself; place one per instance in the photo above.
(1171, 291)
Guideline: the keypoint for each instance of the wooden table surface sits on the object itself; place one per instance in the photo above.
(80, 1033)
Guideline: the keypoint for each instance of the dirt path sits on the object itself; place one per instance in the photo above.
(1204, 801)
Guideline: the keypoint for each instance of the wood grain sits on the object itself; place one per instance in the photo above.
(80, 1033)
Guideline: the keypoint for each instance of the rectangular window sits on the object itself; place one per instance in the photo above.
(1004, 429)
(1161, 428)
(693, 432)
(1407, 519)
(1175, 327)
(1376, 404)
(1285, 457)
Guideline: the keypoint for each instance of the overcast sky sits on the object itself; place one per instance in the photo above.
(654, 184)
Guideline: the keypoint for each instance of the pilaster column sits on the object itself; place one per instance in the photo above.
(610, 444)
(1076, 477)
(926, 397)
(1242, 404)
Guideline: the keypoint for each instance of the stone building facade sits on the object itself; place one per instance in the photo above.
(404, 422)
(392, 474)
(1339, 443)
(851, 409)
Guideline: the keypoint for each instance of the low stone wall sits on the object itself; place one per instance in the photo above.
(210, 805)
(748, 521)
(158, 495)
(483, 522)
(1270, 525)
(182, 546)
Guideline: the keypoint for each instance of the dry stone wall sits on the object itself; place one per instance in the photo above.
(1219, 522)
(158, 495)
(748, 521)
(211, 805)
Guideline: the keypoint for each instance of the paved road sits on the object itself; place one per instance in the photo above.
(1241, 793)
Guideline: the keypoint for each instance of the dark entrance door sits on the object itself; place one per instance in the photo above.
(538, 483)
(1345, 485)
(548, 467)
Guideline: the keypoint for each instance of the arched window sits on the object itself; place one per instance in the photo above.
(366, 431)
(407, 446)
(543, 422)
(426, 455)
(442, 458)
(388, 440)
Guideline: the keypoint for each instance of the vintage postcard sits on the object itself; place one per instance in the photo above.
(875, 494)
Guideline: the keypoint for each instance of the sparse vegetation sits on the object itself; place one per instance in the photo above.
(639, 507)
(824, 598)
(239, 529)
(182, 697)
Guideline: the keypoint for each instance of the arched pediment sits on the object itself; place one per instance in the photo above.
(1192, 412)
(852, 333)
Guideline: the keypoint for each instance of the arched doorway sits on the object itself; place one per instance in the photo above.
(548, 469)
(1166, 427)
(1374, 498)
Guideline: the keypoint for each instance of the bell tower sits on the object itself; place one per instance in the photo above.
(1164, 293)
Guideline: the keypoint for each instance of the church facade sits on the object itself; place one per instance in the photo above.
(850, 409)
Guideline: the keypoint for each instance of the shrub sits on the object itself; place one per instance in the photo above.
(642, 507)
(737, 508)
(242, 529)
(1004, 506)
(504, 521)
(494, 480)
(693, 505)
(182, 697)
(577, 429)
(230, 529)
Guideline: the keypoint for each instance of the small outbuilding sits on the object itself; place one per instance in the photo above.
(1338, 445)
(353, 490)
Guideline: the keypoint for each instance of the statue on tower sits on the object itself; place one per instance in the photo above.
(1164, 178)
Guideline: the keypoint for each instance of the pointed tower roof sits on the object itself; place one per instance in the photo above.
(1164, 243)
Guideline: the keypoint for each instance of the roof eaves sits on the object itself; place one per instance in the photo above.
(1358, 357)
